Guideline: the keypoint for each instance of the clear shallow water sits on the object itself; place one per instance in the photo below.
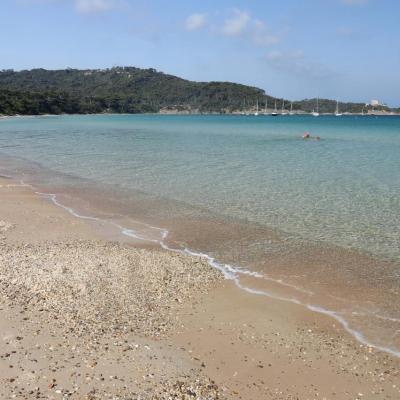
(252, 176)
(344, 189)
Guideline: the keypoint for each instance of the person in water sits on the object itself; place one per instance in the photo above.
(307, 135)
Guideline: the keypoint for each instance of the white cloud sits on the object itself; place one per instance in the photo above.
(261, 35)
(237, 24)
(94, 6)
(195, 21)
(33, 2)
(242, 25)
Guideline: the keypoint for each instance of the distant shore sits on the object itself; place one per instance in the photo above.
(234, 113)
(105, 319)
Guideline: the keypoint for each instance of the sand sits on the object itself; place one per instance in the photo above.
(82, 317)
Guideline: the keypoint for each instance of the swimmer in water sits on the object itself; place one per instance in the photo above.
(307, 135)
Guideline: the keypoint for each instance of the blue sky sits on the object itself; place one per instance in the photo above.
(346, 49)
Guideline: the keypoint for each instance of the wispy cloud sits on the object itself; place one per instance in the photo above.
(242, 25)
(295, 63)
(261, 35)
(94, 6)
(35, 2)
(236, 24)
(82, 6)
(195, 21)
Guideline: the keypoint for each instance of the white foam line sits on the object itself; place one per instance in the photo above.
(345, 324)
(53, 198)
(356, 334)
(299, 289)
(374, 315)
(229, 272)
(14, 185)
(125, 231)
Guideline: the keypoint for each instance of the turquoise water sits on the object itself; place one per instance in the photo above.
(343, 189)
(317, 220)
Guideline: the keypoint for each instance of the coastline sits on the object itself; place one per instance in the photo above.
(251, 346)
(196, 113)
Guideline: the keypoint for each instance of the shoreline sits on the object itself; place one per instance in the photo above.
(257, 282)
(235, 113)
(273, 279)
(226, 309)
(231, 272)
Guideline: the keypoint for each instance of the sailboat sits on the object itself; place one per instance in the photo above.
(256, 113)
(283, 108)
(243, 108)
(275, 112)
(246, 111)
(337, 113)
(316, 113)
(291, 108)
(266, 106)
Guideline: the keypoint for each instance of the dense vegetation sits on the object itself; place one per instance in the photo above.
(120, 90)
(132, 90)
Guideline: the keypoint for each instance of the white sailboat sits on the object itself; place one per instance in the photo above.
(337, 113)
(316, 113)
(291, 108)
(246, 111)
(256, 113)
(266, 106)
(283, 108)
(275, 112)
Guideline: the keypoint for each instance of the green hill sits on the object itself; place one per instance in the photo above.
(120, 90)
(131, 90)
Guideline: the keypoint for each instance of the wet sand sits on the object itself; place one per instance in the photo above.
(81, 317)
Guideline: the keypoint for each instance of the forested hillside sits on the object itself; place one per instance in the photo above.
(133, 90)
(121, 90)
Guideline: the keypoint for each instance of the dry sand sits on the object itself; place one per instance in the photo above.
(84, 318)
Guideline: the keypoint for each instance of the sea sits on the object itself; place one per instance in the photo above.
(312, 222)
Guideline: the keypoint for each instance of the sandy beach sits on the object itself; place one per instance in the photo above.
(85, 318)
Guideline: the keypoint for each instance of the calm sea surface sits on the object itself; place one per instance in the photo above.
(340, 193)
